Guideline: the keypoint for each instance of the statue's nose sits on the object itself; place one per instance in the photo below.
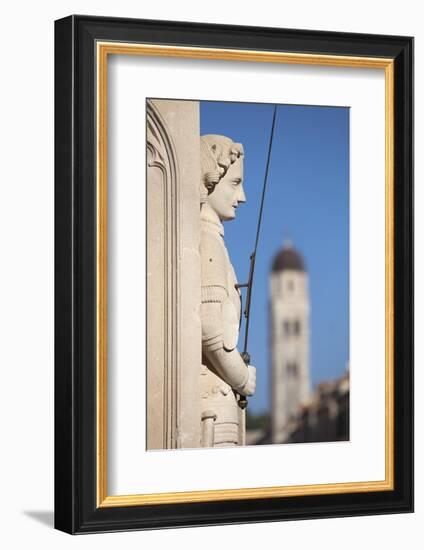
(241, 195)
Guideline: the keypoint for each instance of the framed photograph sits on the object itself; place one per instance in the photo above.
(234, 274)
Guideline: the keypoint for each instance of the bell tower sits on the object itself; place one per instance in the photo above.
(289, 320)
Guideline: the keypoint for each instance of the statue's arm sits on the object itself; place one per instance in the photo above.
(227, 364)
(219, 328)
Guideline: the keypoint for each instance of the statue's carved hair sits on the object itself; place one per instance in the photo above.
(217, 153)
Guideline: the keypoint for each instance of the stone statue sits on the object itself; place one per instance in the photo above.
(224, 375)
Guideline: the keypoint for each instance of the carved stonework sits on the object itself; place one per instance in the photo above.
(162, 283)
(224, 376)
(195, 374)
(173, 274)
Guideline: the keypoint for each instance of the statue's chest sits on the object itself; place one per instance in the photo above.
(233, 292)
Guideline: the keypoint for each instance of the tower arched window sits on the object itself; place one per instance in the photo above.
(296, 327)
(291, 327)
(292, 369)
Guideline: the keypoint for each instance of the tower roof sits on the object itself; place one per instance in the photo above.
(288, 258)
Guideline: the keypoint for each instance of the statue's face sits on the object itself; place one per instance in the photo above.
(228, 193)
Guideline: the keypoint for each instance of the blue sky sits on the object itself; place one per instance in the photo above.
(307, 201)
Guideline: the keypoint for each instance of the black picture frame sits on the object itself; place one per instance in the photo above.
(76, 509)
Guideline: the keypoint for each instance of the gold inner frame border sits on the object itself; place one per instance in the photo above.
(103, 50)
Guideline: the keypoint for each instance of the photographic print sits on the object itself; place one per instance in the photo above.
(233, 254)
(267, 225)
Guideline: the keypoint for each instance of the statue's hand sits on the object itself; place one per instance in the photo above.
(250, 386)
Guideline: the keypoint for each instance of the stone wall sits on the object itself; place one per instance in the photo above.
(173, 274)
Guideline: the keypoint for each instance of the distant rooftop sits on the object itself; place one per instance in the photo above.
(288, 258)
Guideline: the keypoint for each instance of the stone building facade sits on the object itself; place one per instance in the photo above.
(297, 414)
(326, 416)
(173, 275)
(289, 339)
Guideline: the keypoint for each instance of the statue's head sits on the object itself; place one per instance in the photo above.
(222, 175)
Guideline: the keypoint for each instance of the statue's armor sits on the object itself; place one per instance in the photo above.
(220, 412)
